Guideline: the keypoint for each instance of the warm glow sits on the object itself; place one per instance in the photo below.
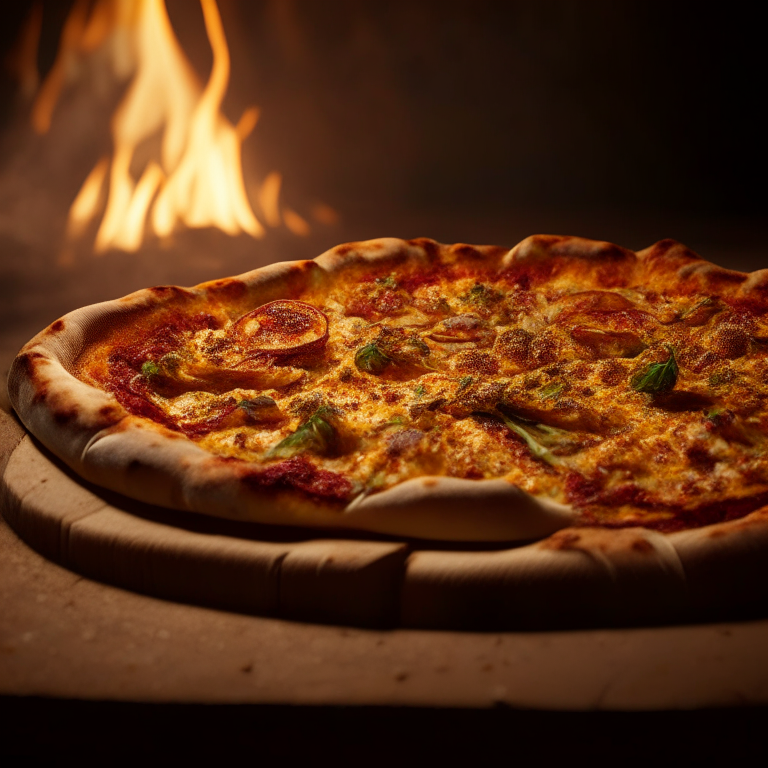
(269, 199)
(295, 223)
(86, 203)
(325, 214)
(195, 179)
(207, 189)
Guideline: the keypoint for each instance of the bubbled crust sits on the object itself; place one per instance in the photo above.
(91, 432)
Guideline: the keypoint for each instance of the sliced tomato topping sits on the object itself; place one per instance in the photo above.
(283, 328)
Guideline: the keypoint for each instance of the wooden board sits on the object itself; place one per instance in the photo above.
(361, 580)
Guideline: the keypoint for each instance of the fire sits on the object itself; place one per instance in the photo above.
(196, 179)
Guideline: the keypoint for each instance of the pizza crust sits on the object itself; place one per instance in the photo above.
(98, 439)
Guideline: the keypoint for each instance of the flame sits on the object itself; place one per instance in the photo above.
(86, 203)
(325, 214)
(207, 188)
(269, 199)
(295, 223)
(195, 179)
(200, 182)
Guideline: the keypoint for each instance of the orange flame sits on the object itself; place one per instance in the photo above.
(200, 182)
(197, 179)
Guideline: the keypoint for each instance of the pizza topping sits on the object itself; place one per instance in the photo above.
(726, 424)
(150, 369)
(608, 343)
(401, 353)
(261, 409)
(730, 341)
(174, 374)
(377, 299)
(462, 329)
(481, 297)
(701, 312)
(404, 441)
(464, 370)
(300, 473)
(319, 435)
(474, 362)
(551, 391)
(371, 359)
(282, 328)
(591, 301)
(536, 448)
(514, 346)
(657, 377)
(475, 397)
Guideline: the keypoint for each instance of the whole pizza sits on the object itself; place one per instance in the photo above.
(563, 391)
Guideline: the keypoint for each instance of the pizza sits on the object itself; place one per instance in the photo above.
(565, 390)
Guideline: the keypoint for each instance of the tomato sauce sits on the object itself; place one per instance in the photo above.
(299, 472)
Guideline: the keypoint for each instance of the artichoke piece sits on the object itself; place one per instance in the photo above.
(702, 311)
(472, 397)
(481, 295)
(173, 375)
(536, 448)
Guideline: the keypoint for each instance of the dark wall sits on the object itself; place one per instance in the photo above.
(639, 104)
(650, 104)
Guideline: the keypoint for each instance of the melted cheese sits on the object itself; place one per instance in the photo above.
(477, 375)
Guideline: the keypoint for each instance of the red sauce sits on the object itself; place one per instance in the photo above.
(529, 274)
(212, 423)
(597, 503)
(130, 390)
(581, 491)
(124, 380)
(708, 514)
(683, 519)
(301, 474)
(753, 307)
(165, 339)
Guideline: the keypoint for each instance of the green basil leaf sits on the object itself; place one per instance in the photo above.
(657, 377)
(371, 359)
(316, 435)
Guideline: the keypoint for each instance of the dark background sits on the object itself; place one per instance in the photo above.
(445, 109)
(95, 732)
